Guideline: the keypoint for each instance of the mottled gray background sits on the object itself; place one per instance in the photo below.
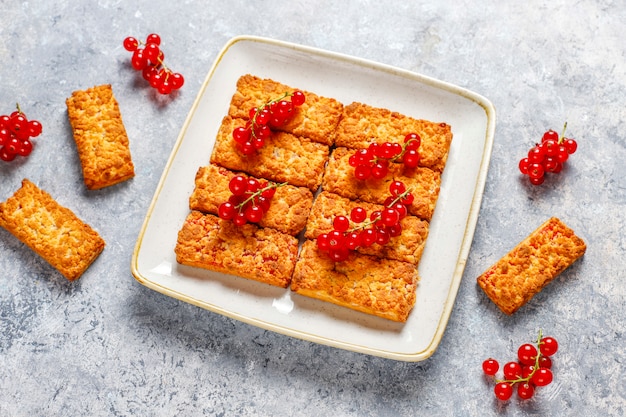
(107, 346)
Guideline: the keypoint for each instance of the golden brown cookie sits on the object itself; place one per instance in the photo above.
(100, 137)
(51, 230)
(531, 265)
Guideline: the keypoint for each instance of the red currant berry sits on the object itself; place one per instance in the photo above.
(341, 223)
(34, 128)
(5, 136)
(254, 213)
(130, 44)
(298, 98)
(382, 236)
(396, 188)
(151, 52)
(380, 170)
(527, 354)
(13, 145)
(362, 172)
(339, 254)
(240, 219)
(390, 217)
(562, 155)
(358, 214)
(177, 80)
(542, 377)
(550, 135)
(525, 391)
(238, 185)
(268, 192)
(412, 141)
(153, 38)
(550, 147)
(536, 155)
(536, 170)
(408, 199)
(537, 181)
(512, 370)
(252, 185)
(411, 158)
(527, 371)
(241, 134)
(335, 239)
(490, 367)
(138, 60)
(368, 237)
(353, 240)
(395, 230)
(226, 211)
(5, 155)
(323, 243)
(545, 362)
(571, 145)
(503, 391)
(548, 346)
(523, 166)
(25, 148)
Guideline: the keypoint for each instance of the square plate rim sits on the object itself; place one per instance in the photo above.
(468, 233)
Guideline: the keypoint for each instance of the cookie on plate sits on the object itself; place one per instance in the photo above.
(424, 183)
(407, 247)
(284, 158)
(315, 119)
(261, 254)
(362, 124)
(288, 209)
(381, 287)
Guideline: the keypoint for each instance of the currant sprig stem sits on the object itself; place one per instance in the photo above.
(252, 197)
(562, 136)
(535, 367)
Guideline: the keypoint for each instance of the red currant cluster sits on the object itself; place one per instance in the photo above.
(531, 370)
(249, 201)
(374, 160)
(15, 134)
(361, 230)
(148, 58)
(272, 114)
(547, 156)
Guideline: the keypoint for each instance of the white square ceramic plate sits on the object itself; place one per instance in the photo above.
(346, 79)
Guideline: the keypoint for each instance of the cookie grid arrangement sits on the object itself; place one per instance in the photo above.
(310, 153)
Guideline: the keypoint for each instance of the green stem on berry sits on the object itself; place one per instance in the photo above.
(365, 224)
(562, 136)
(401, 154)
(399, 197)
(266, 104)
(535, 367)
(258, 193)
